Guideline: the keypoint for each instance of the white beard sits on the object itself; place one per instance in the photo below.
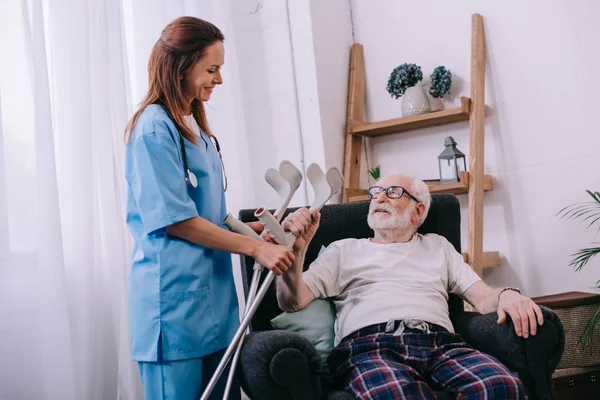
(398, 223)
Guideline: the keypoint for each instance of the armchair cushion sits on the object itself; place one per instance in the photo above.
(277, 365)
(316, 323)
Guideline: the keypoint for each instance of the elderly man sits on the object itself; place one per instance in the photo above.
(394, 336)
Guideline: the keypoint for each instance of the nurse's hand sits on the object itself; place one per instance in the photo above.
(274, 257)
(303, 225)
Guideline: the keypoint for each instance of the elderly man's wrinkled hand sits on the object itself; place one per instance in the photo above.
(303, 225)
(525, 314)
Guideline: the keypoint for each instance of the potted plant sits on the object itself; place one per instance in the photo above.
(441, 81)
(589, 213)
(375, 173)
(403, 83)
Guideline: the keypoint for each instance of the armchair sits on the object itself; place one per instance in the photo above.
(281, 365)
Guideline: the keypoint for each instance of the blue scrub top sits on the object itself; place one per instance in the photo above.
(182, 298)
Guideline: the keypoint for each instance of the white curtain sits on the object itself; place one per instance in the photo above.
(64, 248)
(71, 73)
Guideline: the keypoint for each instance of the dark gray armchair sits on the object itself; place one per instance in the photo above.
(280, 365)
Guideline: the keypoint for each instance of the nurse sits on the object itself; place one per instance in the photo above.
(182, 301)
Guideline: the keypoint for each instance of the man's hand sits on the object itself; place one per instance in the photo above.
(524, 313)
(256, 226)
(303, 225)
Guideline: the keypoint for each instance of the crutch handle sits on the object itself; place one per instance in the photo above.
(237, 226)
(274, 228)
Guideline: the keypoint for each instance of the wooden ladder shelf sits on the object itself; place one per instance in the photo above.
(474, 182)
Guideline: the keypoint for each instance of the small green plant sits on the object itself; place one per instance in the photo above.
(375, 173)
(441, 81)
(403, 77)
(588, 212)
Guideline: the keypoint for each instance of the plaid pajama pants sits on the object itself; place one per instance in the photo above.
(373, 364)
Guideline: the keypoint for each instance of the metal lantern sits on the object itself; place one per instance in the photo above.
(452, 162)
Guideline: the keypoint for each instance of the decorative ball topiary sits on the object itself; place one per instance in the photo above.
(441, 80)
(403, 77)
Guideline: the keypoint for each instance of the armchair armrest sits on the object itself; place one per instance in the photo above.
(534, 359)
(279, 365)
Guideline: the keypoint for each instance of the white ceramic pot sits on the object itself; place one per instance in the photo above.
(415, 102)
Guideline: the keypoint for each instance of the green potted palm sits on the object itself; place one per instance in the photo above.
(589, 213)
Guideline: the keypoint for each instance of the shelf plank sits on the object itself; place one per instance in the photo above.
(461, 187)
(491, 259)
(358, 197)
(398, 125)
(356, 111)
(476, 145)
(350, 193)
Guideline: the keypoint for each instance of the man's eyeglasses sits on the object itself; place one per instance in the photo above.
(392, 192)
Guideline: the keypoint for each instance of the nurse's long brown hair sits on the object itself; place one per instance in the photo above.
(182, 43)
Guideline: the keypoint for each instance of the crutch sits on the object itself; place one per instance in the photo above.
(285, 182)
(325, 186)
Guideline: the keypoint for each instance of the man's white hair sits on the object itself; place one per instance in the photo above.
(420, 190)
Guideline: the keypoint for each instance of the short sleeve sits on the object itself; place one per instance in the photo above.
(460, 274)
(157, 178)
(322, 275)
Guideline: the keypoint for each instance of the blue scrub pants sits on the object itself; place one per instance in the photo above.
(185, 379)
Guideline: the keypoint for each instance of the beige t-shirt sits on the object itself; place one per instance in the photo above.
(373, 283)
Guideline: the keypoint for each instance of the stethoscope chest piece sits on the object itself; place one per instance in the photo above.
(191, 178)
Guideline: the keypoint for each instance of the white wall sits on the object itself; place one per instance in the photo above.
(290, 57)
(268, 93)
(541, 93)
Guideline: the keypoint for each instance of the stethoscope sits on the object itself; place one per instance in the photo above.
(190, 177)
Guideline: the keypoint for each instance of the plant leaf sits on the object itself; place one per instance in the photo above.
(582, 257)
(592, 223)
(583, 213)
(568, 211)
(584, 210)
(375, 172)
(595, 195)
